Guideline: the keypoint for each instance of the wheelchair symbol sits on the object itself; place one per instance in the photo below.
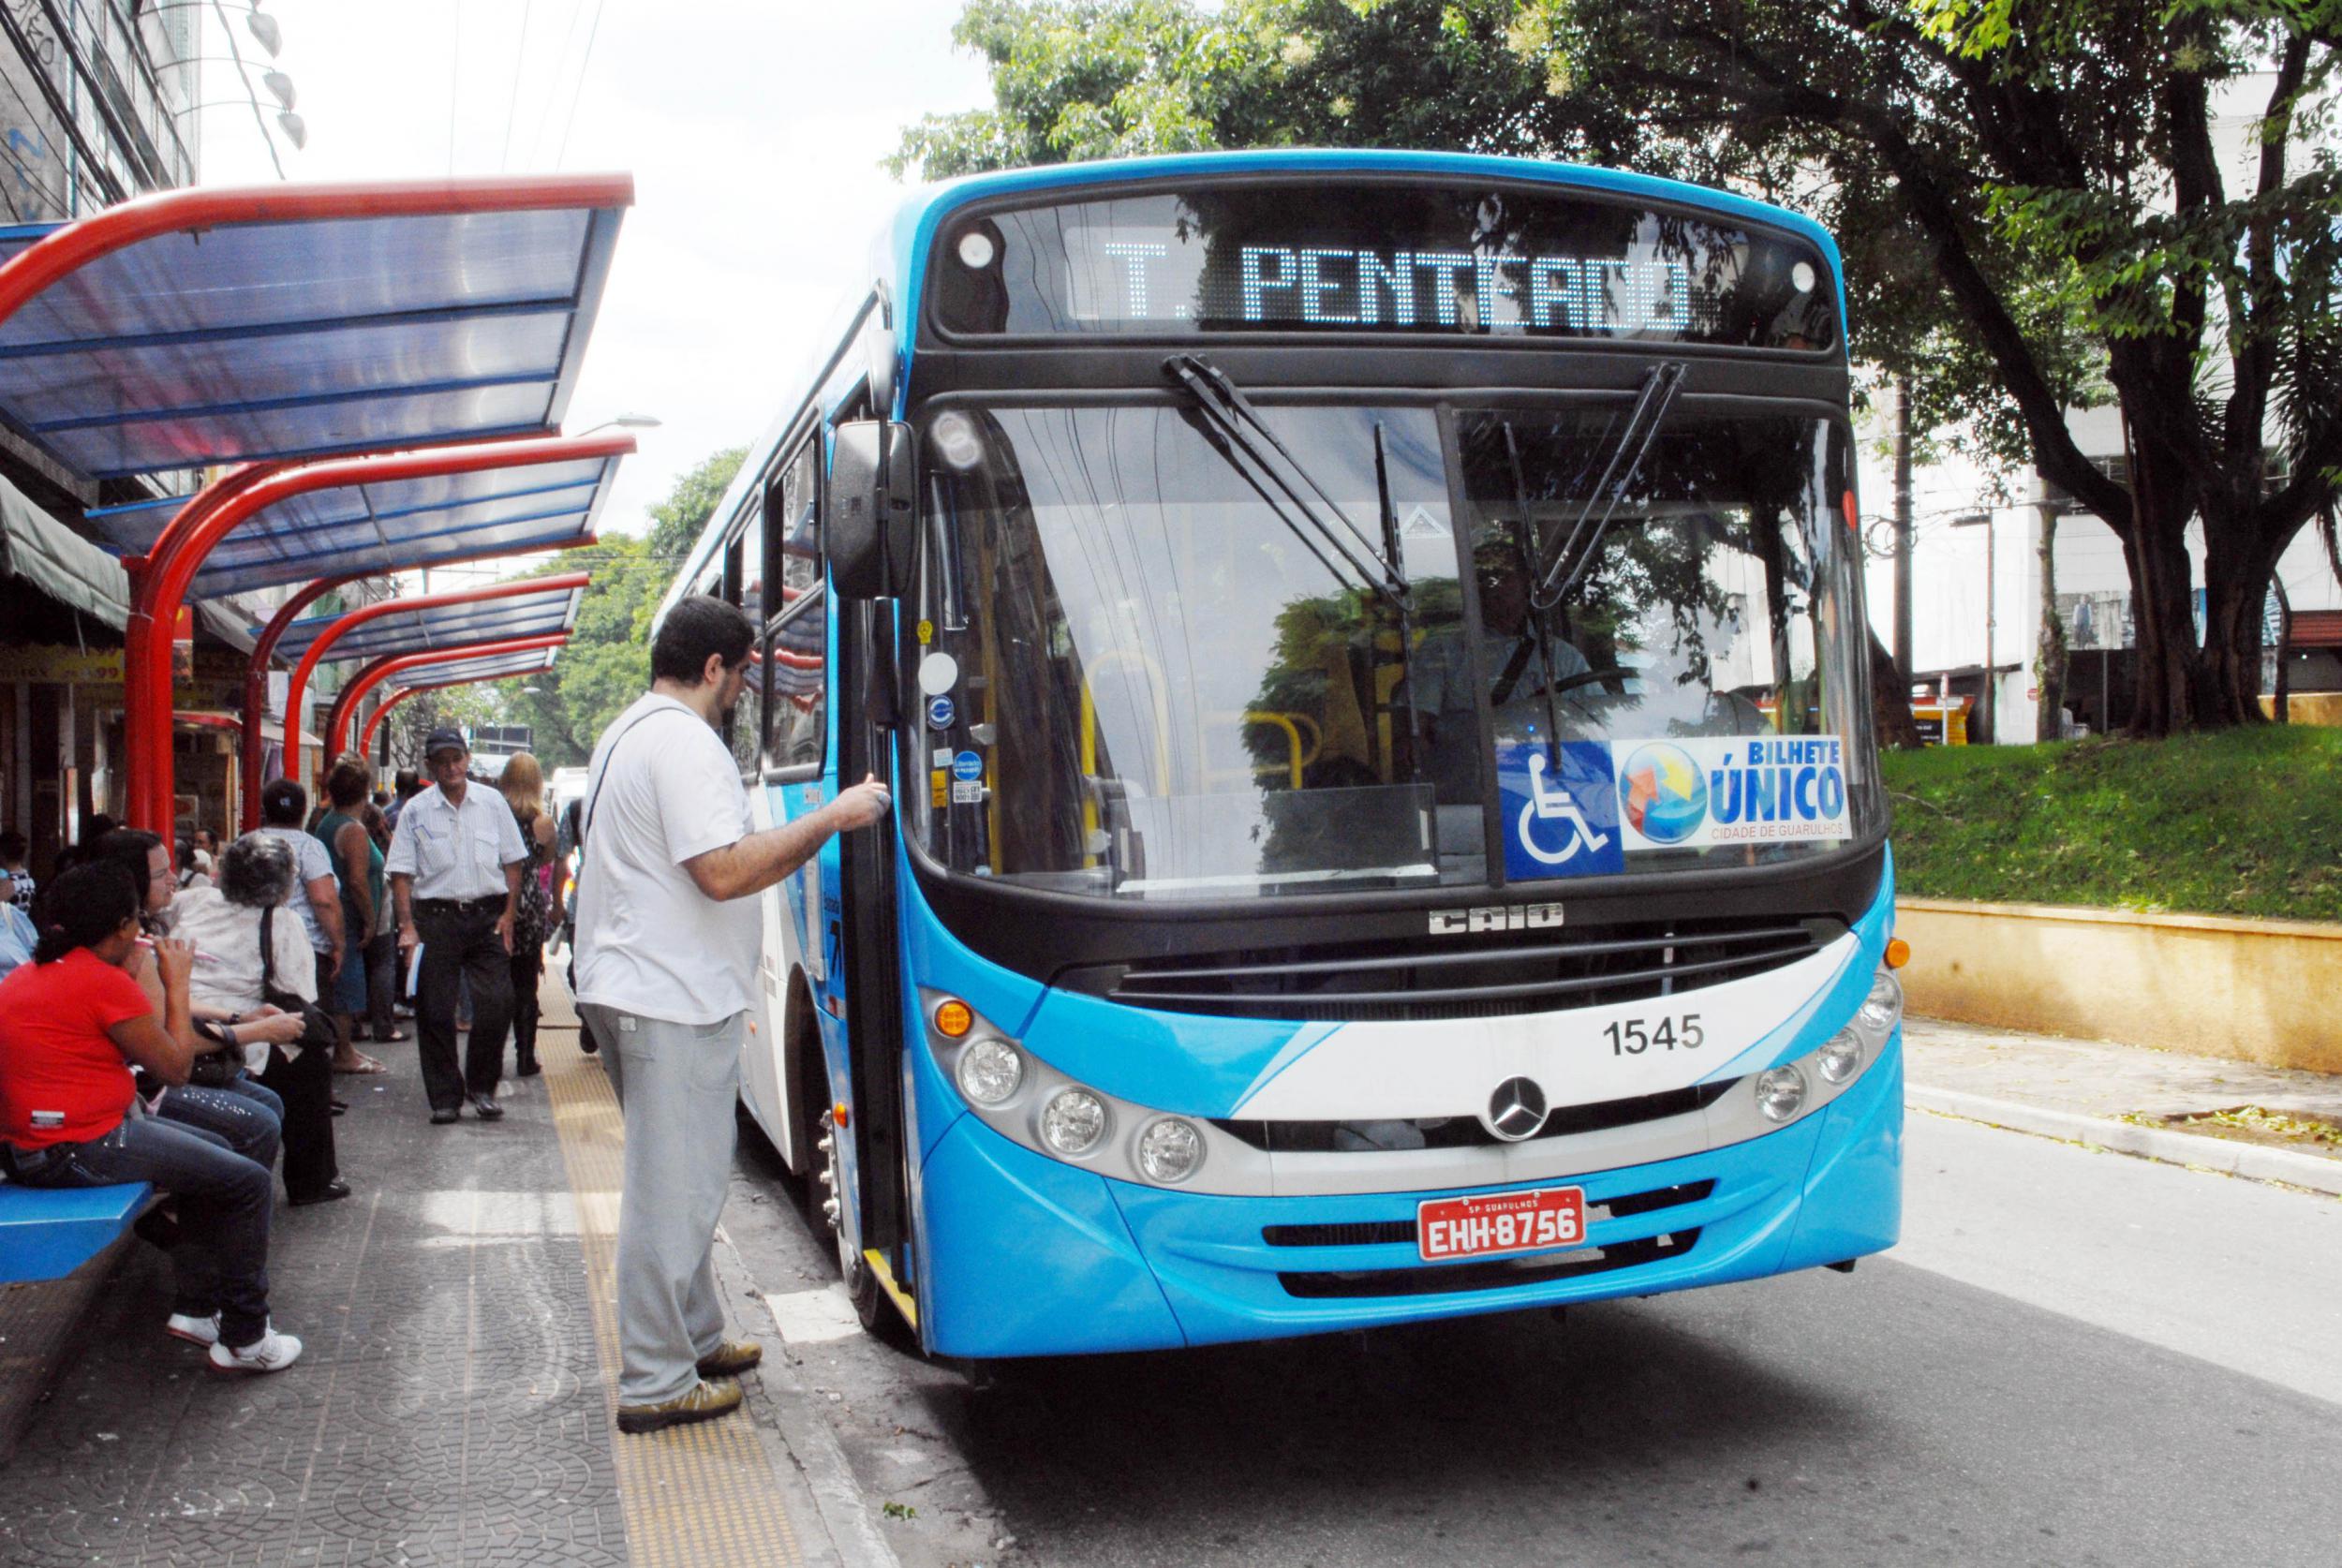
(1553, 803)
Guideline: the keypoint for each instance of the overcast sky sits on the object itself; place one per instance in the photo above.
(753, 129)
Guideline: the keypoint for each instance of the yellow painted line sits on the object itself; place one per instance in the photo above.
(700, 1495)
(885, 1273)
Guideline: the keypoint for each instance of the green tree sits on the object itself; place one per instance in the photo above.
(2028, 191)
(606, 664)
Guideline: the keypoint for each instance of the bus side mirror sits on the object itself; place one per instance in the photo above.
(869, 526)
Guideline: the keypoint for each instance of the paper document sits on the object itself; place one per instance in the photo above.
(414, 971)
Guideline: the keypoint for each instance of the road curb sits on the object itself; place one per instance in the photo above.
(2251, 1161)
(847, 1513)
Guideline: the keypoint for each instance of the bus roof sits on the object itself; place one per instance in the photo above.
(903, 246)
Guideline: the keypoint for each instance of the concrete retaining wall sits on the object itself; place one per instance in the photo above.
(2268, 991)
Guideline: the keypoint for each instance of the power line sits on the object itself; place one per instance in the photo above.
(512, 109)
(537, 139)
(454, 78)
(582, 65)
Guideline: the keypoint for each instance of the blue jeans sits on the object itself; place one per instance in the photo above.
(250, 1117)
(224, 1200)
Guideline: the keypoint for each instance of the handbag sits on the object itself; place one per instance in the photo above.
(216, 1067)
(317, 1032)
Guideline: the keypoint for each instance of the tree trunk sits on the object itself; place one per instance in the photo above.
(1890, 702)
(2048, 658)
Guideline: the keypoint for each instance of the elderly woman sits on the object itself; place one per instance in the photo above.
(228, 925)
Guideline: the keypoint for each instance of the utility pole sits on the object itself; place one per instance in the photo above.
(1903, 525)
(1984, 520)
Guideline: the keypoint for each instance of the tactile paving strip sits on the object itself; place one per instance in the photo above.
(700, 1495)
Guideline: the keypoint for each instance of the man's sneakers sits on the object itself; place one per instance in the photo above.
(194, 1330)
(701, 1402)
(271, 1353)
(730, 1358)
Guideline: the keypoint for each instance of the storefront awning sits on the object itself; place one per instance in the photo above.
(237, 335)
(43, 552)
(446, 625)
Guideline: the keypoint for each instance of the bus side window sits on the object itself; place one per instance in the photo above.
(744, 585)
(797, 646)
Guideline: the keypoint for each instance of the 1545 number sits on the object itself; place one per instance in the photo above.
(1632, 1037)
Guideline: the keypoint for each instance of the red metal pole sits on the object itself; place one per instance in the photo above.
(160, 586)
(514, 587)
(256, 690)
(374, 674)
(256, 683)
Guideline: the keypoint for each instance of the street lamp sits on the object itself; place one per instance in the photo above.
(625, 422)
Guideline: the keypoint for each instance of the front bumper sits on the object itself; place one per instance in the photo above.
(1027, 1256)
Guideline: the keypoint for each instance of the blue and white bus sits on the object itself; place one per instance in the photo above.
(1370, 654)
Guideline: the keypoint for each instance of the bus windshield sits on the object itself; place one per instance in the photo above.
(1150, 669)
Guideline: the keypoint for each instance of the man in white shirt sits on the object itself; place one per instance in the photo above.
(668, 939)
(454, 866)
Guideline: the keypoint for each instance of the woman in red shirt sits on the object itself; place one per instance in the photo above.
(72, 1023)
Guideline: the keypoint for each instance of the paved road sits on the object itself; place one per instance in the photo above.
(2074, 1358)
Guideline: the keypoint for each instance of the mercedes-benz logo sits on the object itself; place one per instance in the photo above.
(1517, 1110)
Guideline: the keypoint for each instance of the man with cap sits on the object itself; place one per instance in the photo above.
(454, 866)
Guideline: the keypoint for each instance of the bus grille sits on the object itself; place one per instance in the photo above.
(1386, 1233)
(1485, 975)
(1368, 1137)
(1496, 1274)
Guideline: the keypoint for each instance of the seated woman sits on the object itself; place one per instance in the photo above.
(240, 1110)
(257, 874)
(70, 1022)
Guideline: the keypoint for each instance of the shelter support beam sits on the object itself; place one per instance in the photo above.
(160, 583)
(323, 642)
(374, 674)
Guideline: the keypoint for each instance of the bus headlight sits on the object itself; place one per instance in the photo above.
(1169, 1150)
(990, 1071)
(1073, 1122)
(1781, 1092)
(1883, 1007)
(1841, 1058)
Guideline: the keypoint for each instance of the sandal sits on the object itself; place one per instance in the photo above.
(365, 1064)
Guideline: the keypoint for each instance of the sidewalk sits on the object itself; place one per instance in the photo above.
(452, 1405)
(2127, 1097)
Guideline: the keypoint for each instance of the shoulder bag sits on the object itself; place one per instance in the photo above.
(316, 1026)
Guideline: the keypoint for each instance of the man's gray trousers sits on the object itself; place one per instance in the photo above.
(676, 1084)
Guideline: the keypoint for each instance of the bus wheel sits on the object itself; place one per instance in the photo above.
(862, 1286)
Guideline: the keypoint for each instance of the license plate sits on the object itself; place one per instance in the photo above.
(1491, 1223)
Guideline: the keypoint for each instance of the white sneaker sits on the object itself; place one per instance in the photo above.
(195, 1331)
(271, 1353)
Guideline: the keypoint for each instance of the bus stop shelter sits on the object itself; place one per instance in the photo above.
(496, 660)
(429, 623)
(441, 323)
(464, 672)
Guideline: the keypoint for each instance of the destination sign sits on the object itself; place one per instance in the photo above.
(1381, 259)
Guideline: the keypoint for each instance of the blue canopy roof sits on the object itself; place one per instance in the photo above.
(393, 525)
(488, 667)
(291, 339)
(444, 626)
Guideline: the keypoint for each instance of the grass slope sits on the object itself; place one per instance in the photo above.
(2247, 823)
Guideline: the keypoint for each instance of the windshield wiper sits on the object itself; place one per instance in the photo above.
(1540, 617)
(1650, 408)
(1238, 422)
